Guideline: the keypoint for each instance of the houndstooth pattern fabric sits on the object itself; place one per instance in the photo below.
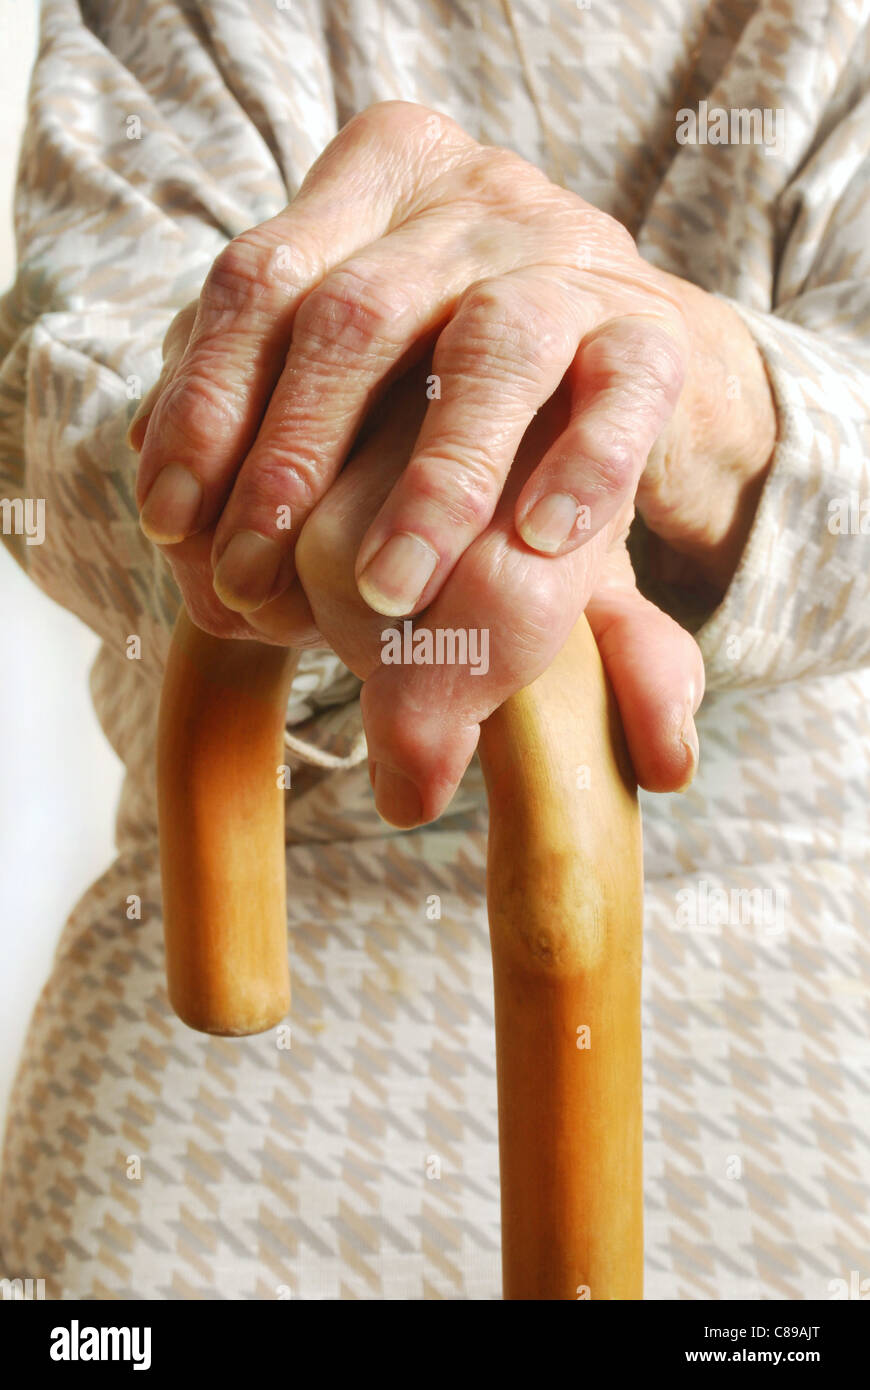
(356, 1155)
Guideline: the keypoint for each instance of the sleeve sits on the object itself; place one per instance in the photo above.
(799, 601)
(155, 133)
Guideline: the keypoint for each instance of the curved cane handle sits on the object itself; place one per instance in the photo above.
(220, 744)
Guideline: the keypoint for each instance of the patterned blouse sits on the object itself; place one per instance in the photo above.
(143, 1160)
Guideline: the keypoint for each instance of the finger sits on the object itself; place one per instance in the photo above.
(354, 334)
(422, 724)
(434, 732)
(287, 623)
(657, 674)
(205, 422)
(190, 563)
(497, 362)
(174, 343)
(422, 720)
(497, 624)
(625, 380)
(330, 537)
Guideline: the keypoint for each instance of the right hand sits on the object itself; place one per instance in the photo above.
(422, 722)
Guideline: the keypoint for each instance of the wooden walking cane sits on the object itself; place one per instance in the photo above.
(564, 892)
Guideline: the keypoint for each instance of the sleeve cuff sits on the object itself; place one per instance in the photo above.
(798, 603)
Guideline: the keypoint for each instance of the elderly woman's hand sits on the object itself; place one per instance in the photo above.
(406, 229)
(422, 719)
(408, 234)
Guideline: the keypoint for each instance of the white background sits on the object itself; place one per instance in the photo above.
(59, 779)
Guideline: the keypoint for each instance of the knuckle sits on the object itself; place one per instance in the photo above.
(527, 321)
(487, 304)
(497, 334)
(611, 457)
(240, 272)
(647, 357)
(614, 234)
(662, 363)
(197, 411)
(390, 112)
(370, 120)
(280, 473)
(352, 312)
(493, 175)
(397, 119)
(462, 483)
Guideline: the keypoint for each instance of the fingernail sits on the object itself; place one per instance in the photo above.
(136, 431)
(246, 572)
(396, 798)
(171, 508)
(393, 581)
(550, 522)
(689, 740)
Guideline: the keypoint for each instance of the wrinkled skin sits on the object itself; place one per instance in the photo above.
(550, 359)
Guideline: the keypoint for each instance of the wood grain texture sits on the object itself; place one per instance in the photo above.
(221, 818)
(564, 891)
